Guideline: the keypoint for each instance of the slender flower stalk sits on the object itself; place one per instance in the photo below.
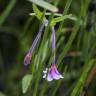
(52, 72)
(28, 56)
(53, 44)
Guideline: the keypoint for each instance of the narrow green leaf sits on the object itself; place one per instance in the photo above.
(62, 18)
(47, 14)
(82, 79)
(37, 12)
(26, 82)
(66, 9)
(69, 43)
(45, 51)
(45, 5)
(36, 62)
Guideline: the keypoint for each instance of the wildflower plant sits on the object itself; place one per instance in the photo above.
(51, 73)
(61, 45)
(28, 56)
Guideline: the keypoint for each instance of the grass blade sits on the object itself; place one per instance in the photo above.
(45, 5)
(82, 79)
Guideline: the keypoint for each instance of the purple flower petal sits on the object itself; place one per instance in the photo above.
(49, 77)
(52, 73)
(56, 76)
(29, 54)
(27, 59)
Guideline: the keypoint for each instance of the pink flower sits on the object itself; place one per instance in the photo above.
(52, 73)
(27, 59)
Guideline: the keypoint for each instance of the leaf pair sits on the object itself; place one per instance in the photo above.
(60, 17)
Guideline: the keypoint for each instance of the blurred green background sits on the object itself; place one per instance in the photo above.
(17, 32)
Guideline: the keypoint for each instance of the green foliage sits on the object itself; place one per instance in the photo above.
(62, 18)
(80, 84)
(46, 14)
(45, 4)
(26, 81)
(38, 13)
(75, 48)
(2, 94)
(55, 20)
